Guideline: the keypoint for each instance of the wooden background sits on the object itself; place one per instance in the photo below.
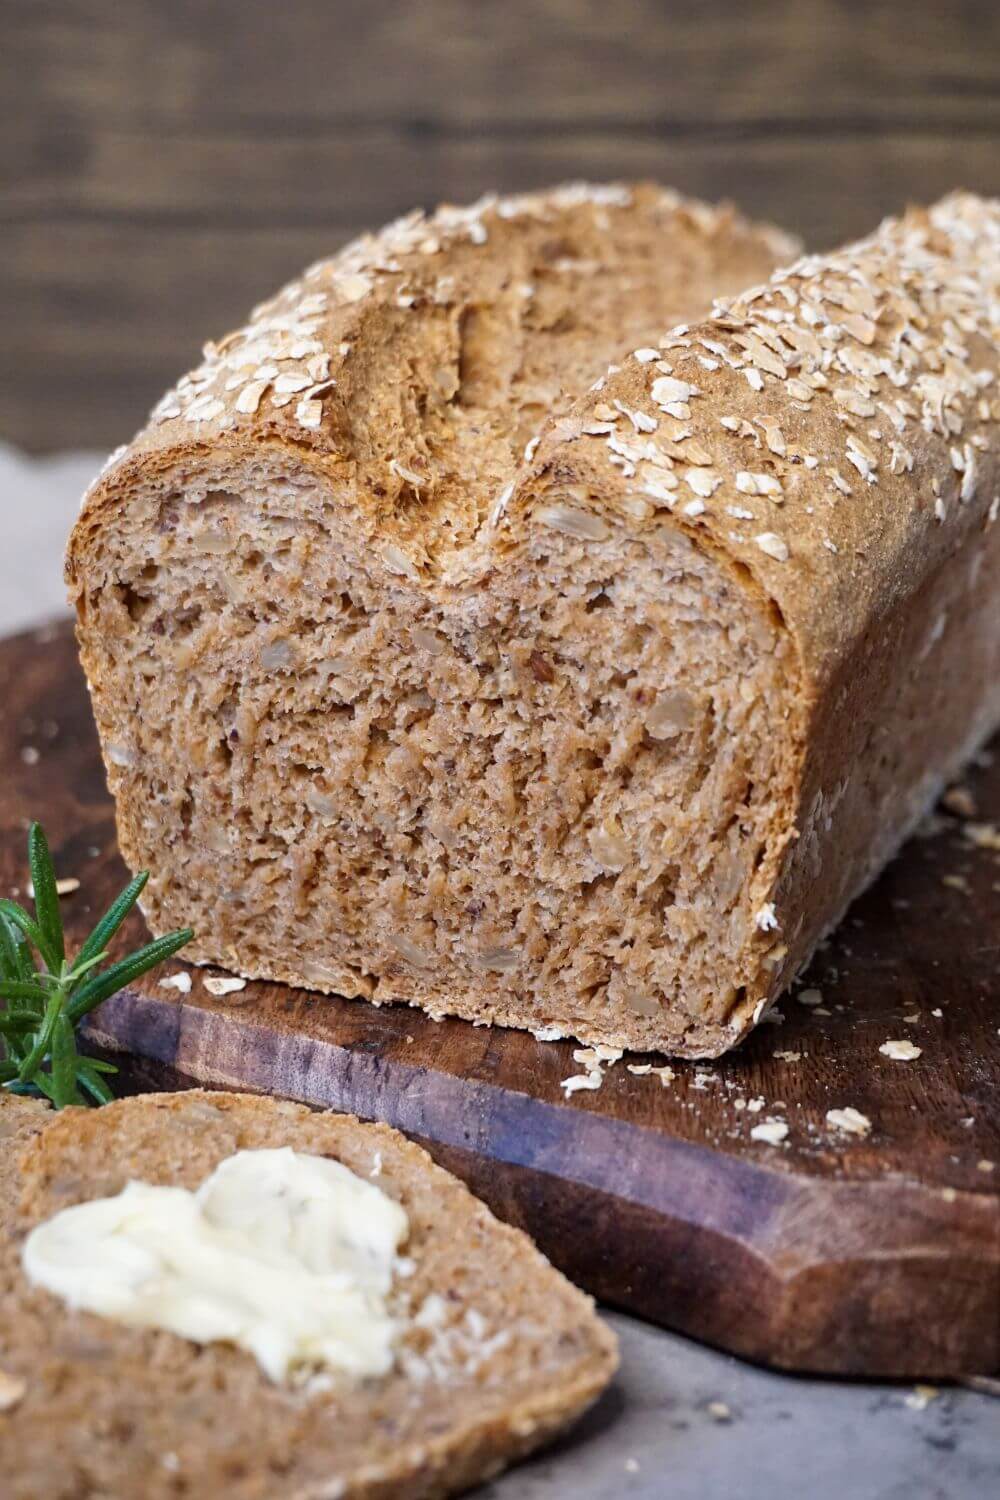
(163, 165)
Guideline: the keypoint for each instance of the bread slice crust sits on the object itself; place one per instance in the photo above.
(504, 1352)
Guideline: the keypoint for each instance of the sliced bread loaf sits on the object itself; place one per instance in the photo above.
(354, 753)
(498, 1350)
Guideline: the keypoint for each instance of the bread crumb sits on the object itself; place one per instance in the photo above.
(180, 982)
(985, 1165)
(900, 1051)
(849, 1120)
(789, 1057)
(631, 1466)
(30, 755)
(772, 1132)
(810, 997)
(219, 986)
(665, 1074)
(719, 1411)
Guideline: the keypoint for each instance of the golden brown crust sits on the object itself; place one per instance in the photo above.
(137, 1413)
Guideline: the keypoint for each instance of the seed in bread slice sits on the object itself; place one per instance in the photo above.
(498, 1353)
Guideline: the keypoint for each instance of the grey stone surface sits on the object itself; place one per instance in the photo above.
(654, 1433)
(785, 1437)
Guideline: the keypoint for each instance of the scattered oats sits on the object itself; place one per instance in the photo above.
(531, 448)
(703, 482)
(591, 1080)
(180, 982)
(13, 1389)
(754, 378)
(771, 1132)
(757, 484)
(694, 508)
(937, 1013)
(900, 1051)
(789, 1057)
(766, 919)
(376, 1170)
(666, 391)
(309, 412)
(249, 397)
(30, 755)
(984, 1165)
(219, 986)
(645, 355)
(66, 887)
(731, 424)
(738, 512)
(850, 1120)
(665, 1074)
(775, 546)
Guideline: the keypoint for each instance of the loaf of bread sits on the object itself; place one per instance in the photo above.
(601, 731)
(498, 1351)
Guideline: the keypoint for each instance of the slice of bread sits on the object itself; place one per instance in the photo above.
(499, 1353)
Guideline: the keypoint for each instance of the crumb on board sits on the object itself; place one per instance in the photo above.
(221, 985)
(665, 1074)
(900, 1050)
(180, 982)
(848, 1120)
(591, 1059)
(770, 1132)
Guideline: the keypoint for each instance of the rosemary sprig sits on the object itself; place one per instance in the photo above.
(42, 1006)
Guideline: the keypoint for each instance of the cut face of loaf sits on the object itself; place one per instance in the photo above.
(496, 1351)
(602, 735)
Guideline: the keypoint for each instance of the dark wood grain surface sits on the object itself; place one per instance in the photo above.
(878, 1255)
(164, 166)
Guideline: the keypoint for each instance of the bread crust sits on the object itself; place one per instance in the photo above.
(133, 1413)
(817, 462)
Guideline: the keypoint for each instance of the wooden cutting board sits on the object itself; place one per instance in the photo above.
(827, 1252)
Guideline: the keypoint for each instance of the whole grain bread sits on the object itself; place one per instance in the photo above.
(601, 731)
(499, 1353)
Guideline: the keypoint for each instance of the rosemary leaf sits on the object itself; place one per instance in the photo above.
(98, 989)
(111, 921)
(43, 880)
